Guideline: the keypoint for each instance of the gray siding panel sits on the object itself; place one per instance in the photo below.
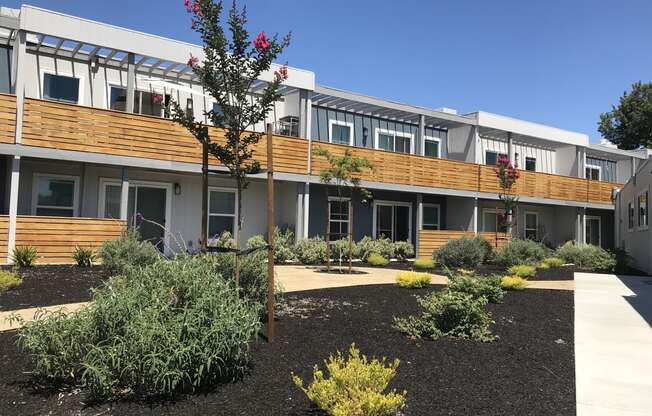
(607, 168)
(5, 70)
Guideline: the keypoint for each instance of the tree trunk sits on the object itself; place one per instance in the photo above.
(204, 198)
(238, 230)
(350, 235)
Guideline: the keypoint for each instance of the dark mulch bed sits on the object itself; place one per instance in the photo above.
(52, 285)
(529, 370)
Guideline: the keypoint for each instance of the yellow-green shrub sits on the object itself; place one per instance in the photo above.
(413, 280)
(465, 272)
(553, 262)
(9, 280)
(522, 270)
(543, 266)
(377, 260)
(354, 386)
(424, 264)
(513, 283)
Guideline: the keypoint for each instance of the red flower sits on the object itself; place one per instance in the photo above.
(282, 72)
(157, 98)
(192, 61)
(186, 4)
(261, 43)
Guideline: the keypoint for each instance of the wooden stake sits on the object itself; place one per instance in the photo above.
(270, 235)
(350, 235)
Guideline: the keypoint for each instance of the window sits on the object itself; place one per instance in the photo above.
(531, 164)
(338, 211)
(394, 141)
(55, 195)
(492, 221)
(147, 103)
(431, 147)
(340, 132)
(110, 205)
(61, 88)
(221, 212)
(392, 220)
(531, 225)
(642, 210)
(593, 172)
(430, 214)
(630, 216)
(592, 231)
(491, 158)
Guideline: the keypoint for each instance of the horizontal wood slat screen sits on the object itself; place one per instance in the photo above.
(4, 235)
(7, 118)
(55, 238)
(431, 240)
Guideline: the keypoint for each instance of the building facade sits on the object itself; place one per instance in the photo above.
(86, 150)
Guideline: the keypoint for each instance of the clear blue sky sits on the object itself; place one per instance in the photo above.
(558, 62)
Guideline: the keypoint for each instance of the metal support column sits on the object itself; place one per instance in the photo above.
(131, 82)
(124, 194)
(13, 207)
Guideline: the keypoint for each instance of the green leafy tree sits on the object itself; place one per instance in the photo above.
(232, 63)
(629, 125)
(344, 173)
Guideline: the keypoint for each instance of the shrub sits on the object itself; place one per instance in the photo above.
(522, 270)
(553, 261)
(311, 250)
(256, 241)
(424, 264)
(9, 280)
(253, 272)
(521, 252)
(488, 287)
(448, 313)
(377, 260)
(413, 280)
(161, 329)
(24, 256)
(367, 246)
(513, 283)
(224, 240)
(354, 386)
(84, 257)
(587, 256)
(340, 249)
(403, 250)
(128, 251)
(463, 252)
(542, 266)
(283, 245)
(465, 272)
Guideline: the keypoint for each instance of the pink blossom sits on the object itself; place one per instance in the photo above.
(282, 72)
(261, 43)
(197, 9)
(192, 61)
(157, 98)
(194, 24)
(186, 4)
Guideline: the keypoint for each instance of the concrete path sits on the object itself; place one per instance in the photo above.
(28, 314)
(613, 345)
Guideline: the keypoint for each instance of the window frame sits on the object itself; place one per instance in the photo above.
(393, 204)
(587, 218)
(378, 131)
(645, 226)
(631, 215)
(348, 214)
(498, 155)
(493, 211)
(101, 202)
(234, 191)
(75, 199)
(432, 139)
(350, 125)
(595, 167)
(80, 91)
(525, 227)
(136, 91)
(423, 222)
(525, 164)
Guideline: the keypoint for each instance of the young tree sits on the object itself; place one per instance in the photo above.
(629, 125)
(344, 173)
(231, 64)
(507, 175)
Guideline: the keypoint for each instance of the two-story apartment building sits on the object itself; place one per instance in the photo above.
(87, 148)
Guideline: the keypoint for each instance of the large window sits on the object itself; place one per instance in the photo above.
(492, 221)
(643, 210)
(593, 172)
(531, 225)
(338, 211)
(393, 220)
(491, 157)
(112, 199)
(148, 103)
(340, 132)
(55, 195)
(61, 88)
(431, 147)
(592, 230)
(221, 212)
(394, 141)
(430, 213)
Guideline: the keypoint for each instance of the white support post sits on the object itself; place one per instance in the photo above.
(580, 222)
(18, 81)
(633, 162)
(510, 148)
(421, 149)
(475, 216)
(13, 207)
(477, 149)
(124, 194)
(131, 82)
(306, 209)
(419, 221)
(307, 135)
(298, 226)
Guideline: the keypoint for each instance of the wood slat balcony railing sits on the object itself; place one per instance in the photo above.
(431, 240)
(7, 118)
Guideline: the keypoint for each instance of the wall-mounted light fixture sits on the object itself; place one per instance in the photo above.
(189, 105)
(95, 64)
(177, 188)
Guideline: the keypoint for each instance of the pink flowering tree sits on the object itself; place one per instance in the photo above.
(232, 62)
(507, 176)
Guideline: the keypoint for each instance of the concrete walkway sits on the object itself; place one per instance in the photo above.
(28, 314)
(613, 345)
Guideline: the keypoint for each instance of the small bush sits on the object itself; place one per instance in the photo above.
(513, 283)
(9, 280)
(340, 249)
(354, 386)
(84, 257)
(24, 256)
(256, 241)
(413, 280)
(553, 261)
(463, 252)
(224, 240)
(465, 272)
(488, 287)
(253, 272)
(448, 313)
(377, 260)
(424, 264)
(542, 266)
(521, 252)
(403, 250)
(283, 245)
(128, 251)
(311, 250)
(587, 256)
(368, 246)
(522, 270)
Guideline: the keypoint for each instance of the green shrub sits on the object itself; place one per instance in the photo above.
(283, 245)
(256, 241)
(488, 287)
(542, 266)
(424, 264)
(24, 256)
(84, 257)
(9, 280)
(463, 252)
(587, 256)
(368, 246)
(522, 270)
(340, 249)
(553, 261)
(513, 283)
(128, 251)
(448, 313)
(403, 250)
(521, 252)
(377, 260)
(224, 240)
(253, 272)
(354, 386)
(168, 327)
(311, 250)
(413, 280)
